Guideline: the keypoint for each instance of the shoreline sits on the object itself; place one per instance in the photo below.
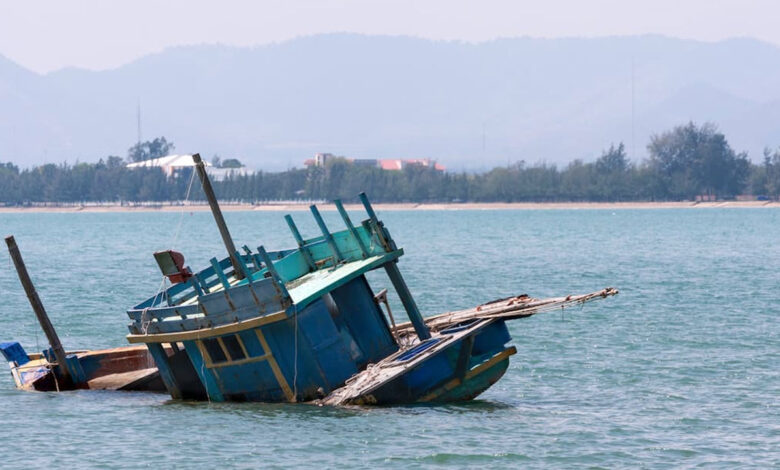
(281, 207)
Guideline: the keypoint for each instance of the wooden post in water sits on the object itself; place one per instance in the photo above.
(217, 212)
(407, 300)
(37, 306)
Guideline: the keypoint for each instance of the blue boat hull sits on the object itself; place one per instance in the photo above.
(461, 371)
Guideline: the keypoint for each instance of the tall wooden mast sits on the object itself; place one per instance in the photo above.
(37, 306)
(217, 212)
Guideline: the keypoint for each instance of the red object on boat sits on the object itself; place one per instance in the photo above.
(172, 266)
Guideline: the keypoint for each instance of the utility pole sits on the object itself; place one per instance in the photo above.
(633, 140)
(138, 116)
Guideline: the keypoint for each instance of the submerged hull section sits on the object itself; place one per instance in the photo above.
(276, 357)
(128, 368)
(456, 364)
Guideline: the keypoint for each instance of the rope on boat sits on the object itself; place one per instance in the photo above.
(203, 368)
(144, 321)
(181, 212)
(295, 355)
(50, 367)
(175, 240)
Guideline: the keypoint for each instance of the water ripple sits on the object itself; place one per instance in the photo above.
(681, 369)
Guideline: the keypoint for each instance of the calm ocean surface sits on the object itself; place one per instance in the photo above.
(681, 369)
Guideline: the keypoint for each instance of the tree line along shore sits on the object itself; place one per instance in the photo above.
(687, 163)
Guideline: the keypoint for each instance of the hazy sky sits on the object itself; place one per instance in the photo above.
(45, 35)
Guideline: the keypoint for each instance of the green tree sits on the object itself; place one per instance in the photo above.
(771, 169)
(613, 160)
(159, 147)
(231, 163)
(691, 160)
(613, 175)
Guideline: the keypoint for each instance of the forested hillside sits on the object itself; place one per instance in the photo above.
(686, 162)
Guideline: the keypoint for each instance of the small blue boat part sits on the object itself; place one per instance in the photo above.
(305, 325)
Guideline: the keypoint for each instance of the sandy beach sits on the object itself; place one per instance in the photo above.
(286, 207)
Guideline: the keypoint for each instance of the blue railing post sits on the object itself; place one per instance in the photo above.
(325, 233)
(384, 236)
(351, 228)
(244, 267)
(274, 274)
(407, 300)
(301, 243)
(220, 274)
(164, 368)
(367, 206)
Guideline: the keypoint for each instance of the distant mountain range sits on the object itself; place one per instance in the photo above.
(469, 106)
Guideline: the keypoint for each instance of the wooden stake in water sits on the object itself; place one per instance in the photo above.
(37, 306)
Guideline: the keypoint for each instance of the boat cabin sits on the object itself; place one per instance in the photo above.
(290, 325)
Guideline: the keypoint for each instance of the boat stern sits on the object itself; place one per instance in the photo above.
(24, 370)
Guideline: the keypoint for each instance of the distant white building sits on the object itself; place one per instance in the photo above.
(171, 164)
(391, 164)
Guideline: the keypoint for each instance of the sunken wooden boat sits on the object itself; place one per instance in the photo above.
(305, 325)
(55, 369)
(126, 368)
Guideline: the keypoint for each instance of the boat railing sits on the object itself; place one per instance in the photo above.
(329, 250)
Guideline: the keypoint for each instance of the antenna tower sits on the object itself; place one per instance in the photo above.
(138, 116)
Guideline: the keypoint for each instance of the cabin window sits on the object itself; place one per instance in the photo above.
(233, 346)
(223, 350)
(215, 350)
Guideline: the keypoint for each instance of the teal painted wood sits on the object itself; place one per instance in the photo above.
(316, 287)
(350, 227)
(166, 374)
(299, 240)
(289, 268)
(260, 296)
(207, 377)
(407, 300)
(359, 317)
(162, 313)
(472, 388)
(441, 375)
(196, 286)
(186, 318)
(367, 206)
(347, 247)
(220, 274)
(202, 283)
(326, 233)
(269, 266)
(242, 264)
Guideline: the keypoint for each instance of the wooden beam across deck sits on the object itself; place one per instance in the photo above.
(207, 332)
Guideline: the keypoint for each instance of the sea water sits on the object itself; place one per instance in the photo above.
(681, 369)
